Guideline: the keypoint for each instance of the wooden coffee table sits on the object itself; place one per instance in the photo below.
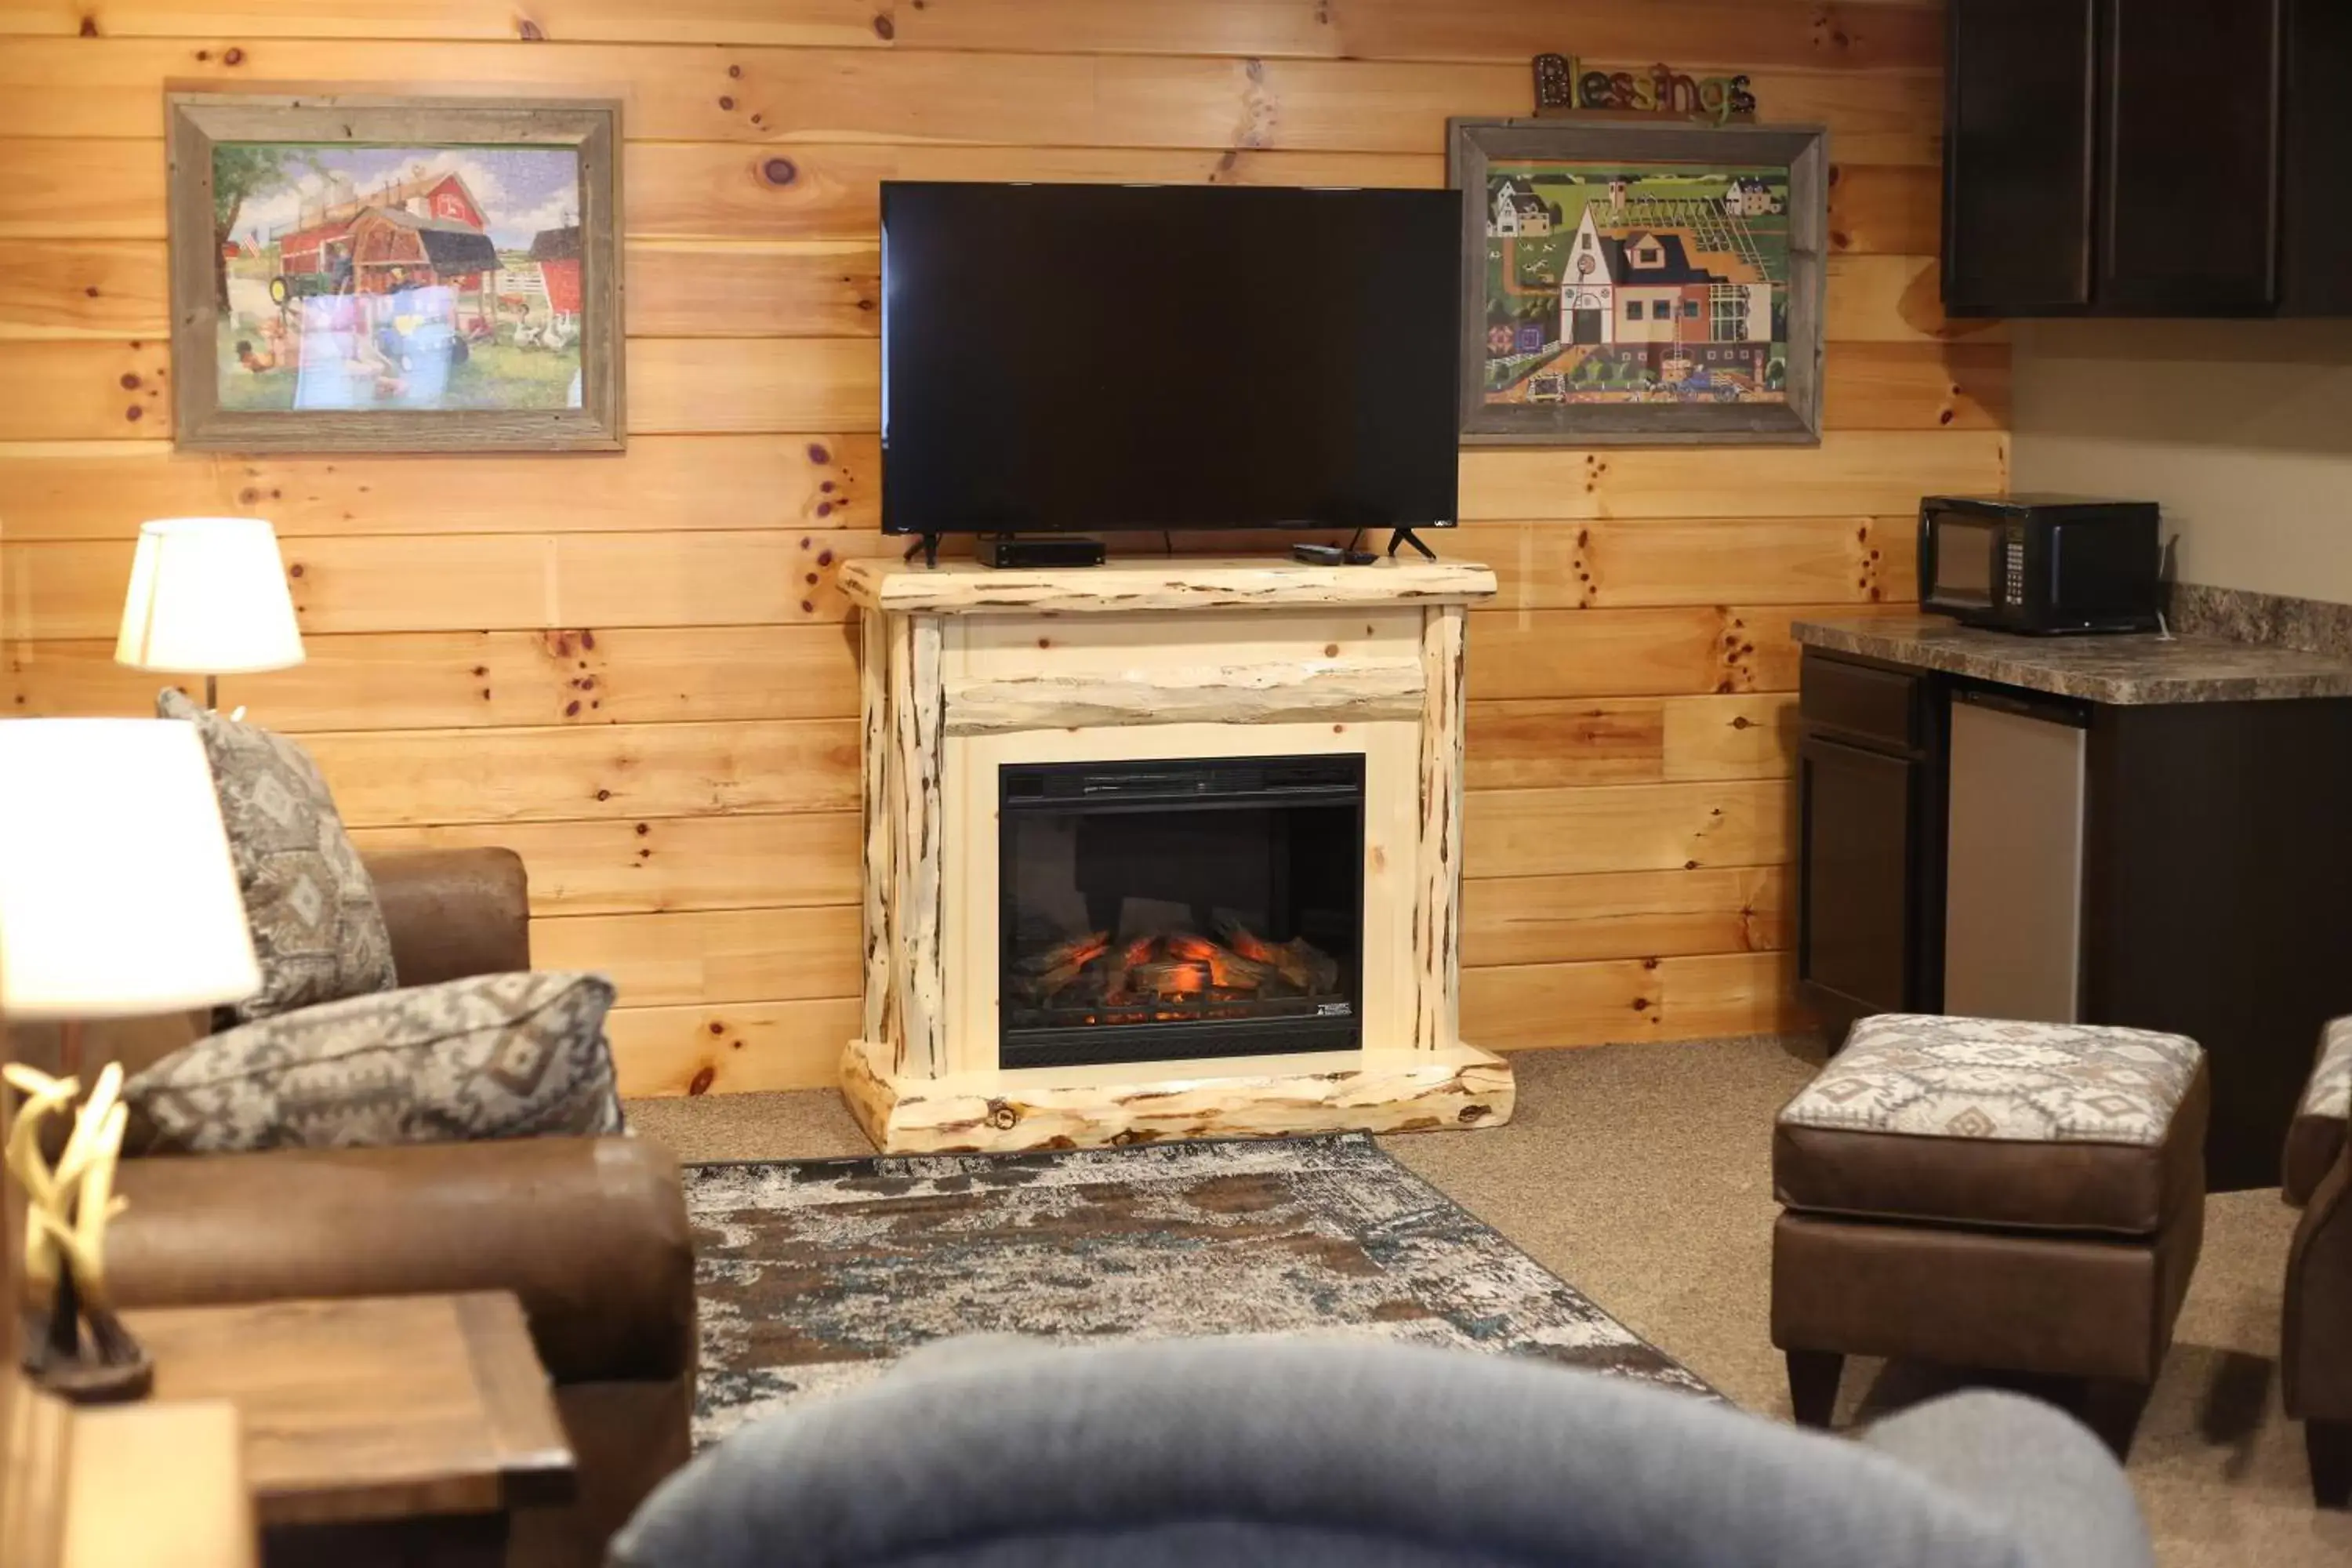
(378, 1429)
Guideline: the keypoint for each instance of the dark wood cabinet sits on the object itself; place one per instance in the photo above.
(2018, 156)
(2146, 157)
(1869, 841)
(2189, 158)
(2314, 219)
(1857, 811)
(2213, 860)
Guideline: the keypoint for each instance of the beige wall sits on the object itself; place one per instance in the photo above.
(2241, 429)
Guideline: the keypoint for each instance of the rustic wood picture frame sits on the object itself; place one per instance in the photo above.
(1472, 143)
(196, 122)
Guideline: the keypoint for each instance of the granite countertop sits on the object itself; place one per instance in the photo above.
(2136, 668)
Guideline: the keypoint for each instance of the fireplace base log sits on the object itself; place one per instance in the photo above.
(1106, 1107)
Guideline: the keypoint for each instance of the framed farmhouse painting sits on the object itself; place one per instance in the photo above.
(1627, 285)
(394, 274)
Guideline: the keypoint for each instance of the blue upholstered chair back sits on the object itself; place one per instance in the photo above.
(1331, 1451)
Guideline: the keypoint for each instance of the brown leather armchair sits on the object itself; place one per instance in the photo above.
(2316, 1338)
(589, 1232)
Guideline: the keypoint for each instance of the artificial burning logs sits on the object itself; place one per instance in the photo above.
(1180, 969)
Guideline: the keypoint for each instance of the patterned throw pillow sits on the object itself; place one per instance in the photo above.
(491, 1055)
(316, 927)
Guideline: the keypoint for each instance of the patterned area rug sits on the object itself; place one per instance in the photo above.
(815, 1275)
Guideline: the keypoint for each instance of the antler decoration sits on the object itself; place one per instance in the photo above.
(66, 1211)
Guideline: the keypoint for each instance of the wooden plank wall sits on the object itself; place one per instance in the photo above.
(636, 670)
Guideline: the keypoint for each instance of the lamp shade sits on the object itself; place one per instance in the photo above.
(117, 894)
(208, 597)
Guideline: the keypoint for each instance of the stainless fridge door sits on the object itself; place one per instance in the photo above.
(2013, 883)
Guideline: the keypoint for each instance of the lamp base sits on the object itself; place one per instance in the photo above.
(107, 1366)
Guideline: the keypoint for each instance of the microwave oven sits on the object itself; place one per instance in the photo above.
(2041, 565)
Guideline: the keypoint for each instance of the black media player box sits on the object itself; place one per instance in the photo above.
(1065, 550)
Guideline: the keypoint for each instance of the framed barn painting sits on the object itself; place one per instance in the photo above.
(1637, 285)
(359, 274)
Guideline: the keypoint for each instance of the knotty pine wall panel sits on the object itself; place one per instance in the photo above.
(1746, 34)
(1537, 920)
(656, 865)
(1544, 742)
(79, 490)
(397, 681)
(796, 288)
(636, 668)
(683, 190)
(106, 88)
(54, 389)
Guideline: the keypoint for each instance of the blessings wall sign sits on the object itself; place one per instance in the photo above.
(1564, 85)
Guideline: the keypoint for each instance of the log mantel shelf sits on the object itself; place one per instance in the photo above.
(1156, 583)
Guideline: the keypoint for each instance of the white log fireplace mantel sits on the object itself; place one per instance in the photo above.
(967, 671)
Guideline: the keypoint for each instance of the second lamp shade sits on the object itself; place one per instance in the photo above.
(117, 892)
(208, 597)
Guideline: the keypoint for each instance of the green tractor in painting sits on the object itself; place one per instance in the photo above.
(287, 287)
(334, 278)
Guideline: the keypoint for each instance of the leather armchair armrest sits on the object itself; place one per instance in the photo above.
(2317, 1137)
(2316, 1338)
(2314, 1145)
(589, 1232)
(453, 912)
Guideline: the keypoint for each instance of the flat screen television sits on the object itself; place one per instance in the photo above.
(1108, 357)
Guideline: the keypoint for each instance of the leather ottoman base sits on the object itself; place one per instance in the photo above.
(2013, 1301)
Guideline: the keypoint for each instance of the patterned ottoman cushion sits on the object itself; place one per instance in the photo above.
(1992, 1121)
(491, 1055)
(317, 929)
(2317, 1135)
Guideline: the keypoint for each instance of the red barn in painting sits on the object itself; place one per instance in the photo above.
(557, 251)
(428, 229)
(393, 248)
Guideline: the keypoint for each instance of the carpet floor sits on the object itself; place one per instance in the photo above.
(1642, 1175)
(815, 1276)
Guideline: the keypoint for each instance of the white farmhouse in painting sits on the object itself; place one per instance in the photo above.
(1647, 287)
(1587, 293)
(1517, 211)
(1748, 198)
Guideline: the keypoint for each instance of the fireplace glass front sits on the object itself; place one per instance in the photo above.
(1159, 910)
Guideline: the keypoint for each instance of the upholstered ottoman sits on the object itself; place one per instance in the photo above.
(1988, 1194)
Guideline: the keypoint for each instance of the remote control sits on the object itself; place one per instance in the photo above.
(1319, 554)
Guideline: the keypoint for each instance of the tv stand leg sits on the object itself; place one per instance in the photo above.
(929, 545)
(1406, 536)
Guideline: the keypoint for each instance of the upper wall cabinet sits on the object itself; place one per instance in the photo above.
(2316, 219)
(2018, 179)
(2146, 157)
(2189, 153)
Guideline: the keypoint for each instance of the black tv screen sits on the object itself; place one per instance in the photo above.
(1105, 357)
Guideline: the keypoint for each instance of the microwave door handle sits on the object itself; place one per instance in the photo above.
(1930, 546)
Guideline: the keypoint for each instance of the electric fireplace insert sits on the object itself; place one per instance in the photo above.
(1159, 910)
